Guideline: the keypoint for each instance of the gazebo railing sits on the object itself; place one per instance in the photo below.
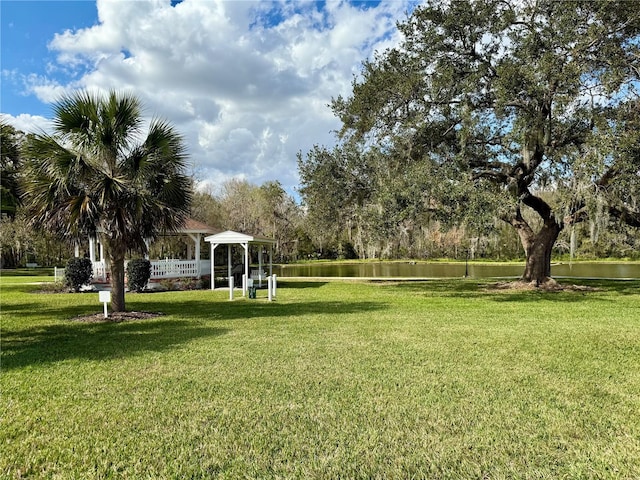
(168, 268)
(99, 272)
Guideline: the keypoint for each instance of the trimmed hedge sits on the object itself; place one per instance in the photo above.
(138, 274)
(78, 272)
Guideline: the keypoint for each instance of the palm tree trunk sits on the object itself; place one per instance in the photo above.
(116, 257)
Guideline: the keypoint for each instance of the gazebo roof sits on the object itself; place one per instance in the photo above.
(230, 236)
(194, 226)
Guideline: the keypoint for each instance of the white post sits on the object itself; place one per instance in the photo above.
(244, 284)
(92, 249)
(213, 264)
(76, 250)
(230, 288)
(269, 285)
(246, 261)
(274, 283)
(260, 266)
(105, 297)
(198, 255)
(229, 276)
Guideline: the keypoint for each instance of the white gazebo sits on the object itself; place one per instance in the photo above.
(230, 238)
(192, 266)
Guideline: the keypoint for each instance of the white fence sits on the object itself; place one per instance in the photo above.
(99, 272)
(170, 268)
(167, 268)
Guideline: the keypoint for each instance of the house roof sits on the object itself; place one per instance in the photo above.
(236, 237)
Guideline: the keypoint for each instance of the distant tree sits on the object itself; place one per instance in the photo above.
(493, 104)
(279, 216)
(99, 175)
(241, 207)
(207, 209)
(10, 164)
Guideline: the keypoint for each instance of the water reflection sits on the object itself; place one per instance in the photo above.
(452, 270)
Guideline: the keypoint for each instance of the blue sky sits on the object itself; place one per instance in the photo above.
(246, 82)
(26, 29)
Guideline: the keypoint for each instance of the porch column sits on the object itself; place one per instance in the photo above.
(101, 252)
(260, 263)
(270, 260)
(92, 249)
(76, 250)
(147, 244)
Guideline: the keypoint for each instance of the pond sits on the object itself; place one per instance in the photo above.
(452, 270)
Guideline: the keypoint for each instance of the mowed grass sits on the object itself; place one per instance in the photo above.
(438, 379)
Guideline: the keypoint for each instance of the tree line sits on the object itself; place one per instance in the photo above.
(496, 129)
(325, 226)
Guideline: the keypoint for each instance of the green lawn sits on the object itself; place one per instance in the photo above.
(438, 379)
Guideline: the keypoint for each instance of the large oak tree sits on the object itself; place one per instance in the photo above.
(525, 109)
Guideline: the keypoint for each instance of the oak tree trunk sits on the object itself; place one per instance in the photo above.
(538, 249)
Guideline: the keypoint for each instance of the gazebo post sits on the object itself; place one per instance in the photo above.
(92, 249)
(198, 237)
(213, 265)
(229, 266)
(246, 268)
(196, 240)
(270, 260)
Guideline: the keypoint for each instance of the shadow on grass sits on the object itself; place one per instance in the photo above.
(489, 289)
(449, 287)
(204, 310)
(96, 341)
(108, 340)
(284, 283)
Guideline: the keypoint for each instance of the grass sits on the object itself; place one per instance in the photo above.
(438, 379)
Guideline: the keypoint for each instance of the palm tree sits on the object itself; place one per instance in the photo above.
(97, 175)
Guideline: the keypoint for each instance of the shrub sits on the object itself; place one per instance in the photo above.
(138, 274)
(78, 272)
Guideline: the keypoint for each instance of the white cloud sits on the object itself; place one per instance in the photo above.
(28, 123)
(247, 83)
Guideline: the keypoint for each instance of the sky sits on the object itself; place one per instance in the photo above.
(247, 83)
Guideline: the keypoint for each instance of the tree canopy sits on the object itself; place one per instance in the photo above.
(524, 110)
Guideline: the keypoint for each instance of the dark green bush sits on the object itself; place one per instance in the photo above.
(77, 273)
(138, 274)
